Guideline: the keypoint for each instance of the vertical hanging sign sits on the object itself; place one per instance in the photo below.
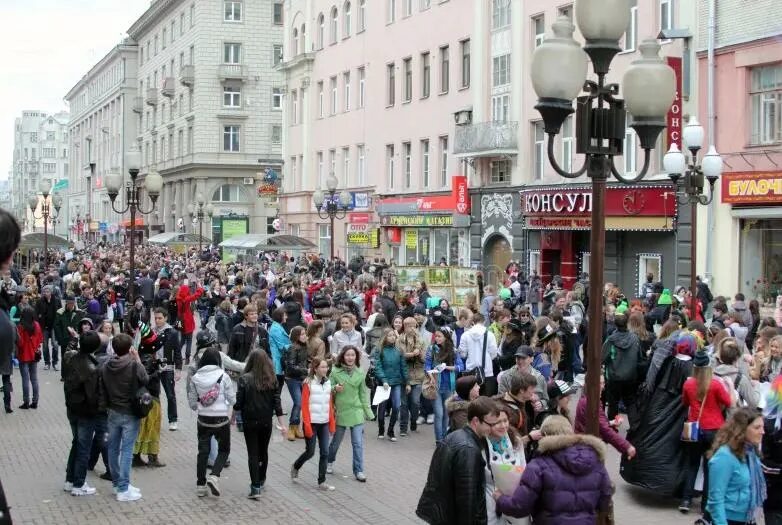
(673, 119)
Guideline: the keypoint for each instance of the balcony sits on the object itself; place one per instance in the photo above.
(138, 104)
(232, 72)
(152, 96)
(169, 87)
(487, 139)
(187, 76)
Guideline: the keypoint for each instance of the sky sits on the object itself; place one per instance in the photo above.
(46, 46)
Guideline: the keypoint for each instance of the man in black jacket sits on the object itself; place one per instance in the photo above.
(46, 309)
(81, 401)
(454, 491)
(172, 369)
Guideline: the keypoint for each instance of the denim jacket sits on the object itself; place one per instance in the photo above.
(447, 377)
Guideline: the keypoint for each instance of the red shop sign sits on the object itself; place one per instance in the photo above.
(673, 119)
(752, 187)
(620, 202)
(359, 218)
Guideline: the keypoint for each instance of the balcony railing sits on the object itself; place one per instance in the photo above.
(169, 87)
(187, 76)
(486, 139)
(232, 72)
(152, 96)
(138, 104)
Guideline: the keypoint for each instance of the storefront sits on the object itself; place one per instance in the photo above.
(362, 236)
(428, 229)
(641, 233)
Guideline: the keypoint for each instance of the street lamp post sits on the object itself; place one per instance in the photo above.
(687, 177)
(559, 71)
(199, 213)
(45, 187)
(330, 206)
(153, 183)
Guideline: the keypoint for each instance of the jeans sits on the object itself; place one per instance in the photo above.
(29, 373)
(223, 436)
(123, 431)
(167, 382)
(99, 443)
(356, 439)
(441, 415)
(395, 401)
(695, 452)
(187, 343)
(203, 313)
(256, 436)
(48, 336)
(294, 388)
(320, 431)
(409, 412)
(7, 388)
(83, 430)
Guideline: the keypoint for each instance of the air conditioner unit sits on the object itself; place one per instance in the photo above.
(249, 181)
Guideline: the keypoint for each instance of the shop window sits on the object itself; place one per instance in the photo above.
(324, 239)
(586, 257)
(761, 259)
(534, 261)
(648, 263)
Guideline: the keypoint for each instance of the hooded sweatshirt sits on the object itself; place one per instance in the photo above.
(621, 356)
(201, 382)
(745, 390)
(118, 386)
(471, 349)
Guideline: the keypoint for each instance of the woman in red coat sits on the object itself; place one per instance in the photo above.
(28, 345)
(184, 302)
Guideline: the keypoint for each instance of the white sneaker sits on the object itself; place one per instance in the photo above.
(129, 495)
(420, 420)
(131, 488)
(324, 486)
(67, 486)
(330, 468)
(213, 482)
(84, 490)
(430, 419)
(172, 426)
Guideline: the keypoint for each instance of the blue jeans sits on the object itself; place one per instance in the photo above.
(395, 401)
(410, 404)
(294, 388)
(29, 373)
(187, 342)
(441, 415)
(48, 336)
(356, 439)
(123, 431)
(82, 430)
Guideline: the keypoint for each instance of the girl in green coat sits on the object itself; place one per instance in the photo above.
(351, 404)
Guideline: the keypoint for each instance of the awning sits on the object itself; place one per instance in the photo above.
(271, 243)
(169, 238)
(139, 222)
(34, 241)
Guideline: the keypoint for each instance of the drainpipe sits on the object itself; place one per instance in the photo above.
(710, 67)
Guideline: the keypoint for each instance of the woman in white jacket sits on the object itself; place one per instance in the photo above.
(212, 395)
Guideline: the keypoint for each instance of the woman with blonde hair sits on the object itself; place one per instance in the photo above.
(471, 302)
(316, 348)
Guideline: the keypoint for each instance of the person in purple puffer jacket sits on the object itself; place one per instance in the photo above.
(567, 484)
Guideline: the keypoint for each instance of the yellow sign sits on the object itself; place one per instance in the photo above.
(411, 238)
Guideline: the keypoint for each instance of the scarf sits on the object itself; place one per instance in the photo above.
(757, 483)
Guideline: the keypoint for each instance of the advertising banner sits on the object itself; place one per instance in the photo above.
(752, 187)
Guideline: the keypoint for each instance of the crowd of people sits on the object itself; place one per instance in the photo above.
(498, 378)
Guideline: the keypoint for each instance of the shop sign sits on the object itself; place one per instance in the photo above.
(461, 195)
(620, 202)
(752, 187)
(358, 201)
(103, 227)
(673, 119)
(95, 226)
(458, 199)
(411, 239)
(394, 235)
(417, 220)
(637, 223)
(359, 218)
(363, 234)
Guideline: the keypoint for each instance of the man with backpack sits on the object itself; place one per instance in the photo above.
(624, 362)
(737, 382)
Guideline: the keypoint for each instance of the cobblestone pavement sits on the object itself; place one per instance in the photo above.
(35, 445)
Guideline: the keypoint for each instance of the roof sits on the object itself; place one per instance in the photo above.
(32, 241)
(167, 238)
(260, 241)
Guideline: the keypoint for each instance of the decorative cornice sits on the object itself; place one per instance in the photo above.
(150, 16)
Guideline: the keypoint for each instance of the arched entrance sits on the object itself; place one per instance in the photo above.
(497, 254)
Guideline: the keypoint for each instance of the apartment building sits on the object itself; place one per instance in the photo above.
(370, 92)
(101, 128)
(208, 107)
(40, 152)
(502, 138)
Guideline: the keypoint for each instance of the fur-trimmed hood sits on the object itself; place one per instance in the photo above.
(575, 453)
(453, 404)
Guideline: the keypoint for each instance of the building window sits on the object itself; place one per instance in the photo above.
(501, 70)
(443, 161)
(465, 63)
(346, 166)
(361, 86)
(766, 101)
(190, 139)
(333, 162)
(334, 25)
(295, 42)
(407, 156)
(500, 108)
(425, 164)
(347, 28)
(426, 4)
(500, 14)
(294, 107)
(390, 11)
(277, 13)
(426, 75)
(293, 172)
(232, 53)
(539, 29)
(346, 82)
(231, 138)
(49, 167)
(233, 11)
(391, 83)
(324, 239)
(173, 31)
(48, 153)
(276, 98)
(445, 69)
(156, 44)
(276, 55)
(276, 134)
(500, 171)
(229, 193)
(362, 164)
(319, 158)
(192, 15)
(629, 148)
(320, 99)
(567, 12)
(666, 14)
(408, 8)
(181, 142)
(362, 15)
(390, 165)
(333, 105)
(34, 137)
(567, 144)
(407, 67)
(631, 35)
(539, 137)
(231, 97)
(181, 26)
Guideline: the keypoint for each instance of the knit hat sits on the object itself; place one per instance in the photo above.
(464, 385)
(505, 293)
(621, 309)
(546, 333)
(559, 389)
(701, 359)
(665, 298)
(773, 409)
(688, 343)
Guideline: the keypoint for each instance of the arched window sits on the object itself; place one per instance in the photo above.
(362, 15)
(295, 42)
(334, 24)
(346, 19)
(321, 30)
(229, 193)
(303, 38)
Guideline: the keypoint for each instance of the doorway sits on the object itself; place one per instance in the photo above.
(497, 255)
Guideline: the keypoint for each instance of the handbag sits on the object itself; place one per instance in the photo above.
(429, 388)
(37, 355)
(480, 371)
(691, 430)
(141, 402)
(210, 396)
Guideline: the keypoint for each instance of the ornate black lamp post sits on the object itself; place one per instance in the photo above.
(330, 206)
(199, 213)
(45, 187)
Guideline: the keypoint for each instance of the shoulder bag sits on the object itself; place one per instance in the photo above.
(692, 429)
(141, 402)
(480, 371)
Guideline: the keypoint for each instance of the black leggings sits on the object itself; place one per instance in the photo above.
(256, 437)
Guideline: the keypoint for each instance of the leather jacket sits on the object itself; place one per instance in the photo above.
(296, 359)
(80, 374)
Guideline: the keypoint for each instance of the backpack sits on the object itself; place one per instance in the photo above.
(733, 389)
(579, 291)
(210, 396)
